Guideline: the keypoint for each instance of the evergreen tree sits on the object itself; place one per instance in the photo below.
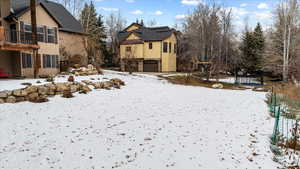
(252, 48)
(94, 28)
(259, 41)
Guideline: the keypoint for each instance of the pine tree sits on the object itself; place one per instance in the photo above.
(94, 28)
(259, 41)
(252, 49)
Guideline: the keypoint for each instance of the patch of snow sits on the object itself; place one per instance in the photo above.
(148, 124)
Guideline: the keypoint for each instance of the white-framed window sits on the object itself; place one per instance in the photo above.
(28, 32)
(50, 61)
(51, 35)
(41, 34)
(26, 60)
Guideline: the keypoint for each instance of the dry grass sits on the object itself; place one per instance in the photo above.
(193, 81)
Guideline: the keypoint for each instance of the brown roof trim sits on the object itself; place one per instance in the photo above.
(131, 42)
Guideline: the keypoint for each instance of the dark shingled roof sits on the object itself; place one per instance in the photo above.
(148, 34)
(59, 13)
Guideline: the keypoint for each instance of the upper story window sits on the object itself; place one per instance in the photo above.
(27, 32)
(51, 35)
(150, 46)
(41, 33)
(44, 33)
(175, 48)
(170, 47)
(128, 49)
(165, 47)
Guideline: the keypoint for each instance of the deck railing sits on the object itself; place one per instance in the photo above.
(14, 36)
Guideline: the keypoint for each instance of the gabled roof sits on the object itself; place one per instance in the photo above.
(148, 34)
(59, 13)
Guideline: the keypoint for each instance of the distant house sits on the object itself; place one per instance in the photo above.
(149, 49)
(57, 30)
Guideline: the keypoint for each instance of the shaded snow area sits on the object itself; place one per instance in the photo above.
(148, 124)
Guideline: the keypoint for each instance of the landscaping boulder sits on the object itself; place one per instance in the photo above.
(218, 86)
(33, 96)
(39, 99)
(118, 81)
(84, 89)
(20, 93)
(20, 99)
(4, 94)
(11, 99)
(42, 90)
(71, 79)
(98, 85)
(31, 89)
(87, 82)
(50, 79)
(51, 89)
(61, 87)
(74, 88)
(67, 94)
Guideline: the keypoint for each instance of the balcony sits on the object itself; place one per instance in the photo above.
(12, 40)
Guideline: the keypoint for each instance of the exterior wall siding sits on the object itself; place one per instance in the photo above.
(155, 52)
(43, 18)
(169, 59)
(73, 44)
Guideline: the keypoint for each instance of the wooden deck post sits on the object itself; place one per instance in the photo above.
(34, 36)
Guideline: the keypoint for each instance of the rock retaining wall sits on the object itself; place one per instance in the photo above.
(40, 93)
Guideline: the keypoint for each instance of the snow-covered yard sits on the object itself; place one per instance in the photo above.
(148, 124)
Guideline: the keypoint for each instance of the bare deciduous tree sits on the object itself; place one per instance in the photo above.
(115, 23)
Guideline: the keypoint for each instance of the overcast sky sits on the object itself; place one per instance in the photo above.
(169, 12)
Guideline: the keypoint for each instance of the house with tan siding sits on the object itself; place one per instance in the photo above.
(56, 29)
(148, 49)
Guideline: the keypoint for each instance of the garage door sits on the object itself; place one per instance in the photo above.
(150, 66)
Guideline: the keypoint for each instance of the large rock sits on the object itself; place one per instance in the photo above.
(67, 94)
(84, 89)
(3, 94)
(74, 88)
(87, 82)
(61, 87)
(218, 86)
(107, 85)
(20, 93)
(2, 101)
(39, 99)
(20, 99)
(42, 90)
(31, 89)
(33, 96)
(98, 85)
(118, 81)
(51, 89)
(11, 99)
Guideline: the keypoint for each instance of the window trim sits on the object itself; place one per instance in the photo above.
(128, 49)
(50, 61)
(165, 47)
(41, 33)
(150, 45)
(51, 35)
(26, 62)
